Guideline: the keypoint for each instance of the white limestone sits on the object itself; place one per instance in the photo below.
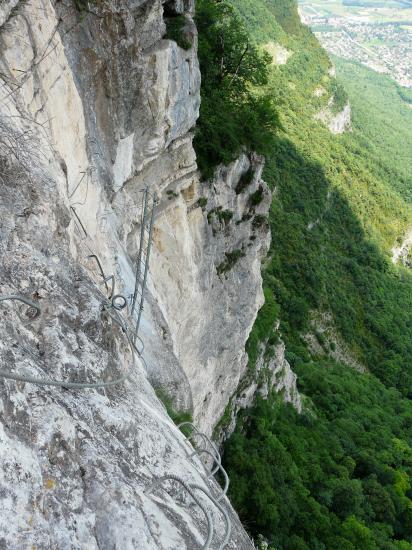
(122, 168)
(279, 53)
(400, 253)
(337, 123)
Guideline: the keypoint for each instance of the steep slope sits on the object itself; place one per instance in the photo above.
(382, 108)
(336, 215)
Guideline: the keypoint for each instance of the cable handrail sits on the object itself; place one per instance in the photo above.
(222, 510)
(202, 435)
(212, 473)
(205, 451)
(215, 455)
(189, 488)
(143, 256)
(41, 381)
(112, 306)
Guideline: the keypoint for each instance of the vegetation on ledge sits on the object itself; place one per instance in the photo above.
(231, 259)
(175, 30)
(177, 416)
(245, 180)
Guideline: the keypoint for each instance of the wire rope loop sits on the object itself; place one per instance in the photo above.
(205, 451)
(227, 482)
(40, 381)
(111, 278)
(213, 472)
(223, 512)
(34, 310)
(203, 436)
(119, 302)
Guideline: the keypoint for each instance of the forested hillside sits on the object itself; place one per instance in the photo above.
(382, 119)
(339, 475)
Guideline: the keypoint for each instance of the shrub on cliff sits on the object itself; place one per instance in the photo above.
(234, 112)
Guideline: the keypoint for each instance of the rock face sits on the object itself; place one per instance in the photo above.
(272, 373)
(402, 252)
(324, 340)
(94, 105)
(213, 236)
(279, 53)
(338, 123)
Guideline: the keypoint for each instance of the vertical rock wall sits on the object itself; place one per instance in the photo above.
(94, 105)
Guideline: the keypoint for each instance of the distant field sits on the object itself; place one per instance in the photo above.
(377, 33)
(375, 10)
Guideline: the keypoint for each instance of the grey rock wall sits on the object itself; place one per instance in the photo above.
(94, 105)
(338, 123)
(209, 243)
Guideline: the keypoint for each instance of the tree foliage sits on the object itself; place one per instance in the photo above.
(232, 114)
(332, 477)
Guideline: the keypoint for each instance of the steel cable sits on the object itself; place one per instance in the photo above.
(112, 306)
(218, 460)
(216, 457)
(224, 513)
(219, 467)
(40, 381)
(203, 435)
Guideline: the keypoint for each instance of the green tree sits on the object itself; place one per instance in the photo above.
(233, 113)
(358, 534)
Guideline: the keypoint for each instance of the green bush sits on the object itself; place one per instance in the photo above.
(256, 198)
(171, 194)
(177, 416)
(320, 337)
(245, 180)
(202, 202)
(405, 94)
(259, 221)
(340, 97)
(84, 6)
(231, 260)
(263, 329)
(81, 5)
(175, 30)
(223, 216)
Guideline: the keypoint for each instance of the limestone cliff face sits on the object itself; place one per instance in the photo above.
(401, 252)
(209, 242)
(338, 123)
(94, 105)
